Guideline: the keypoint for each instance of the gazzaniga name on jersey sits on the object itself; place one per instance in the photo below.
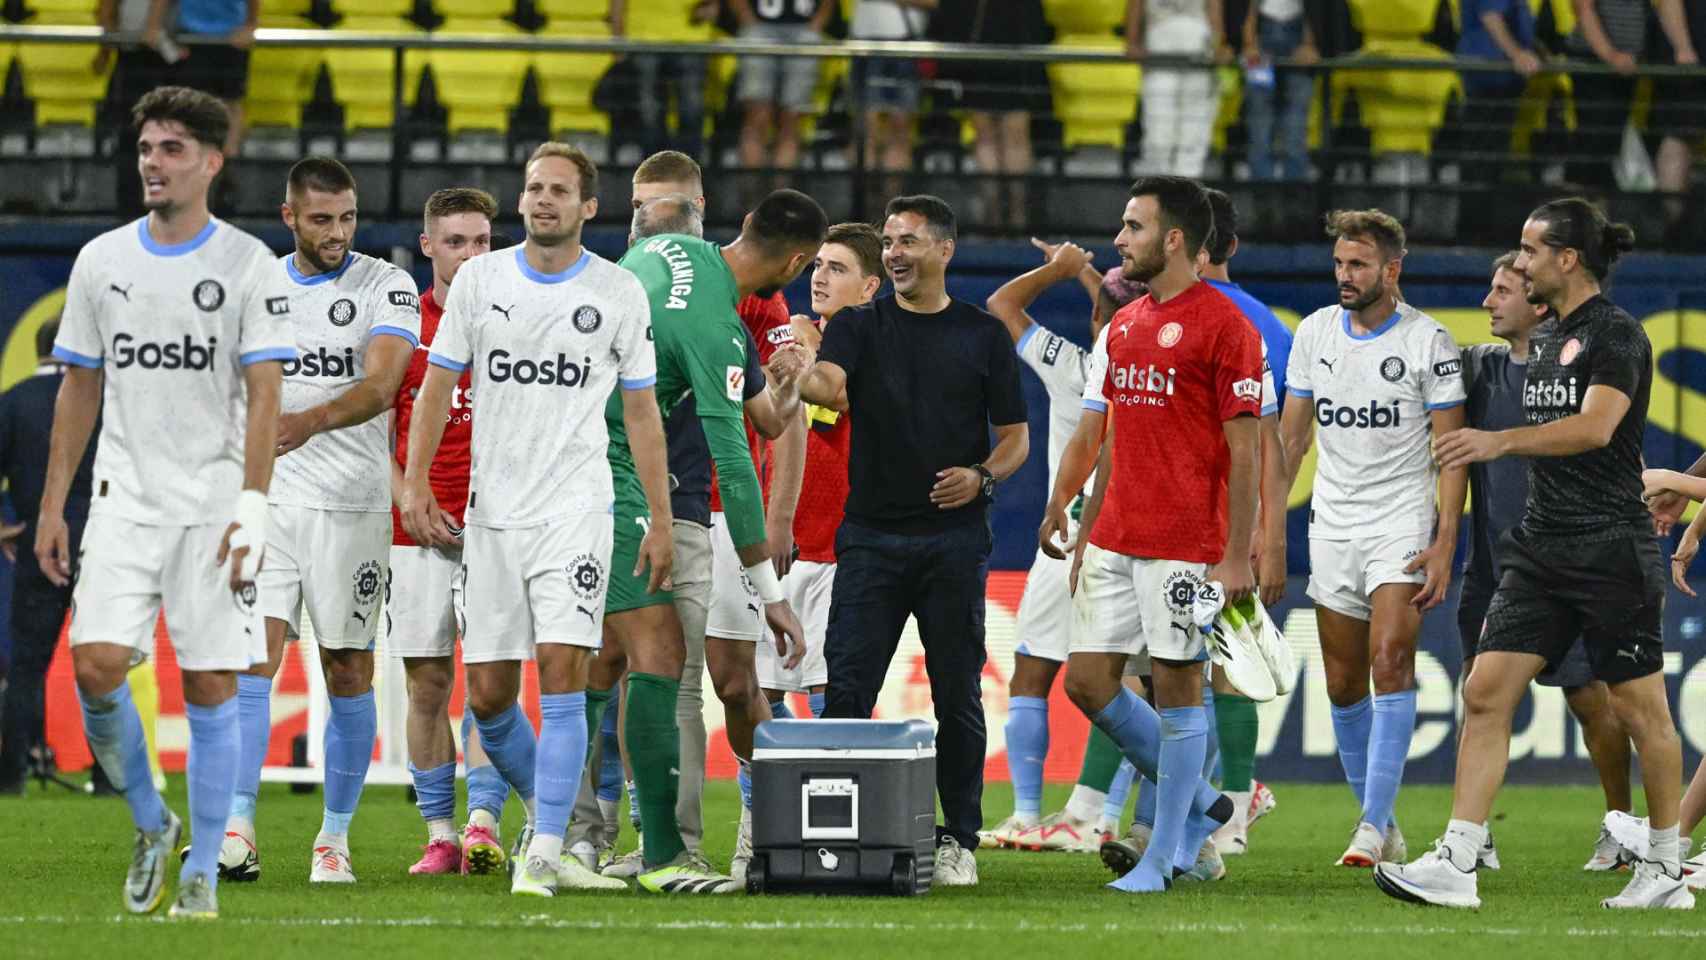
(680, 271)
(1550, 400)
(172, 355)
(1375, 416)
(322, 363)
(561, 372)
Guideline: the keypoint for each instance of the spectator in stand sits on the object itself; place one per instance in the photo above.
(137, 69)
(1679, 108)
(1611, 33)
(1493, 30)
(1001, 95)
(685, 72)
(1278, 30)
(1179, 103)
(889, 87)
(221, 68)
(775, 91)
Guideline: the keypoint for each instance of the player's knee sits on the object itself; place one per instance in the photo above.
(94, 678)
(735, 686)
(1486, 699)
(1088, 690)
(1394, 671)
(1345, 688)
(1646, 720)
(346, 677)
(429, 690)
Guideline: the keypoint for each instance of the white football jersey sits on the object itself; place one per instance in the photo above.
(545, 351)
(335, 315)
(1371, 395)
(171, 327)
(1062, 366)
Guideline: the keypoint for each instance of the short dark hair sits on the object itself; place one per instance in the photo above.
(1373, 226)
(1576, 224)
(1504, 261)
(1184, 207)
(45, 335)
(320, 174)
(788, 221)
(453, 200)
(1225, 232)
(669, 166)
(575, 155)
(933, 209)
(865, 242)
(203, 115)
(672, 213)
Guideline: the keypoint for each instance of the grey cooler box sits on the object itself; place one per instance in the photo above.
(843, 806)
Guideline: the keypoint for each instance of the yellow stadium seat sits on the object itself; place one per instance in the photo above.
(1393, 19)
(277, 10)
(60, 77)
(1094, 102)
(478, 88)
(591, 9)
(63, 12)
(281, 79)
(467, 10)
(1093, 17)
(362, 79)
(370, 10)
(1400, 108)
(566, 80)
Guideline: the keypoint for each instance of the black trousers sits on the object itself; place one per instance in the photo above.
(38, 612)
(881, 579)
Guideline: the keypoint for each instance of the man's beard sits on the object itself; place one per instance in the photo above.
(1365, 300)
(1147, 267)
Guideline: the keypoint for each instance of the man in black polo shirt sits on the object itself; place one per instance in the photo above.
(1584, 559)
(926, 376)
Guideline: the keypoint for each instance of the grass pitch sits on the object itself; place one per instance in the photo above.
(60, 895)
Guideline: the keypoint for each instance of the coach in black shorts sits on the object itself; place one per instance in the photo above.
(1583, 559)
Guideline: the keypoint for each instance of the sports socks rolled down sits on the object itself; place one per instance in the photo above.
(1184, 745)
(114, 730)
(509, 743)
(609, 759)
(350, 731)
(654, 750)
(560, 761)
(435, 795)
(1027, 746)
(215, 746)
(487, 789)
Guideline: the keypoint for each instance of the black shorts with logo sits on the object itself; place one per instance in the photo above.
(1571, 672)
(1610, 594)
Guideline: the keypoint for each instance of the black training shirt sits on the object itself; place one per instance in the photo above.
(1595, 495)
(1498, 488)
(924, 389)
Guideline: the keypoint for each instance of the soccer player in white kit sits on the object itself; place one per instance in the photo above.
(1378, 376)
(357, 320)
(179, 320)
(549, 330)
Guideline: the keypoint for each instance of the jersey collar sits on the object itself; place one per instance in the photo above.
(1392, 321)
(309, 281)
(173, 249)
(565, 274)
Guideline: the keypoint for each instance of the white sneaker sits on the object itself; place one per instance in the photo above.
(331, 865)
(1232, 839)
(1137, 837)
(1209, 866)
(585, 854)
(1262, 801)
(239, 860)
(574, 874)
(743, 849)
(1060, 831)
(1651, 888)
(628, 865)
(1006, 831)
(145, 881)
(1630, 831)
(1364, 851)
(1432, 879)
(955, 865)
(1488, 857)
(1232, 644)
(1694, 870)
(1608, 854)
(1393, 849)
(196, 900)
(535, 878)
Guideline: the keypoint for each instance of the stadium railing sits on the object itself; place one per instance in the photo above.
(1385, 130)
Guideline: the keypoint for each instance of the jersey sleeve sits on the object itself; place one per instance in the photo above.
(1442, 371)
(1096, 375)
(453, 342)
(1619, 358)
(1238, 370)
(79, 342)
(844, 340)
(636, 355)
(1270, 397)
(767, 321)
(1006, 395)
(754, 382)
(1058, 362)
(267, 331)
(1297, 373)
(399, 307)
(714, 357)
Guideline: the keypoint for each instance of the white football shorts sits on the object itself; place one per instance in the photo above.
(807, 588)
(1045, 610)
(1343, 574)
(735, 612)
(528, 585)
(421, 605)
(1136, 606)
(332, 562)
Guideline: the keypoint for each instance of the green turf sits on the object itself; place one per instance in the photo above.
(59, 896)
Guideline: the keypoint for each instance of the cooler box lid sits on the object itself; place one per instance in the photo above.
(892, 739)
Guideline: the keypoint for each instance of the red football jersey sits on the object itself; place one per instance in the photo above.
(1169, 375)
(448, 475)
(823, 494)
(767, 320)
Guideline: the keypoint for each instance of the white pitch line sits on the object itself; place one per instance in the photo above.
(547, 922)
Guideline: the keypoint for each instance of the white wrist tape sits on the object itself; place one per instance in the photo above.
(763, 577)
(251, 519)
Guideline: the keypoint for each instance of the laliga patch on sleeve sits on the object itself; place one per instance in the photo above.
(278, 306)
(1051, 350)
(735, 379)
(1448, 368)
(400, 298)
(1247, 389)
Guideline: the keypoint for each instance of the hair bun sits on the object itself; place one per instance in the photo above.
(1619, 237)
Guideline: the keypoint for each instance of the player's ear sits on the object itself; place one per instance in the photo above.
(289, 216)
(426, 245)
(589, 208)
(215, 160)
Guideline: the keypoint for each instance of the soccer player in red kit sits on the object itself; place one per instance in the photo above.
(422, 620)
(1179, 372)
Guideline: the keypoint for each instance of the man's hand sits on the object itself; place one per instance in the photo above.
(1459, 448)
(779, 540)
(790, 636)
(424, 520)
(1623, 63)
(1067, 256)
(1666, 509)
(790, 362)
(53, 548)
(1052, 536)
(955, 487)
(657, 552)
(1526, 63)
(1270, 573)
(1684, 555)
(1077, 565)
(1655, 482)
(1235, 577)
(1435, 563)
(1306, 54)
(295, 429)
(237, 557)
(9, 540)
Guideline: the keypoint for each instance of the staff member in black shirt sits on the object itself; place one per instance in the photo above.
(926, 376)
(1584, 559)
(38, 607)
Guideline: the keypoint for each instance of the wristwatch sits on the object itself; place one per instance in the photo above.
(988, 486)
